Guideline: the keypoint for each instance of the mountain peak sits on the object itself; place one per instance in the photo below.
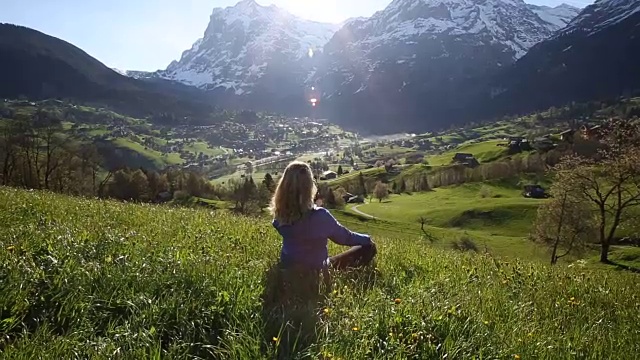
(243, 43)
(566, 6)
(602, 14)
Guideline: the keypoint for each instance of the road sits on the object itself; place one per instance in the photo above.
(357, 211)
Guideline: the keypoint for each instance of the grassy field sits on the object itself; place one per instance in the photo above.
(502, 211)
(203, 147)
(500, 221)
(160, 161)
(494, 215)
(484, 151)
(97, 279)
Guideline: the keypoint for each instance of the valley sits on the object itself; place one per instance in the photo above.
(491, 149)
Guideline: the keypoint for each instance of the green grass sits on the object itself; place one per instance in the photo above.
(98, 279)
(97, 131)
(501, 220)
(203, 147)
(448, 207)
(626, 255)
(155, 157)
(385, 151)
(485, 151)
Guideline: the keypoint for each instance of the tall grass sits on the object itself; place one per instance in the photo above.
(95, 279)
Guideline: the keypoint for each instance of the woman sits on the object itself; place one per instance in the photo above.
(305, 227)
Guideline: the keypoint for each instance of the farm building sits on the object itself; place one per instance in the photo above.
(329, 175)
(465, 159)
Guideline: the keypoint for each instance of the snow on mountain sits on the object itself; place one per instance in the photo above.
(464, 37)
(245, 43)
(421, 55)
(510, 22)
(602, 14)
(594, 57)
(558, 17)
(121, 72)
(139, 74)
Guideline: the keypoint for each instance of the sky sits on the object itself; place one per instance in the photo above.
(149, 34)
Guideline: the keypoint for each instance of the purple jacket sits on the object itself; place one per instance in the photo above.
(305, 242)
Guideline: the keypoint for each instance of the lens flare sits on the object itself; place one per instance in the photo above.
(310, 53)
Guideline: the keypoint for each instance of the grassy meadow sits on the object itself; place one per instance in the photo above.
(484, 151)
(98, 279)
(494, 215)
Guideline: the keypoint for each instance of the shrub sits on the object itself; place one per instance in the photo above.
(464, 244)
(486, 192)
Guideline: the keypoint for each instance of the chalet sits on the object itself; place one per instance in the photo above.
(567, 135)
(591, 132)
(465, 159)
(534, 191)
(518, 144)
(515, 139)
(329, 175)
(347, 196)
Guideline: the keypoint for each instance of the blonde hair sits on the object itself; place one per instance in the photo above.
(294, 195)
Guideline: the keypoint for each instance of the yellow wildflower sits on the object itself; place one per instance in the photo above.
(516, 356)
(326, 311)
(275, 339)
(355, 328)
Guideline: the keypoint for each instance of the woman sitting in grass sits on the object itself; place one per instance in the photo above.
(305, 227)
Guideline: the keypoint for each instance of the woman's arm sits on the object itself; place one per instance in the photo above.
(340, 234)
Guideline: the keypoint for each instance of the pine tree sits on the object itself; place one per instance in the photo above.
(269, 183)
(340, 171)
(363, 187)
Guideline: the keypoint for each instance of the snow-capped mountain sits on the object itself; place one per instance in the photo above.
(249, 46)
(264, 58)
(510, 22)
(594, 57)
(428, 50)
(558, 17)
(602, 14)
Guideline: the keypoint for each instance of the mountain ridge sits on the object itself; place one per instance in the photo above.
(242, 43)
(256, 57)
(594, 57)
(38, 66)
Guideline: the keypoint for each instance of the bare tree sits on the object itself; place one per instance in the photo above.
(381, 191)
(424, 221)
(50, 131)
(610, 181)
(565, 224)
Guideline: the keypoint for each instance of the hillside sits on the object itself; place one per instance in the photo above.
(249, 48)
(95, 279)
(38, 66)
(214, 144)
(592, 58)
